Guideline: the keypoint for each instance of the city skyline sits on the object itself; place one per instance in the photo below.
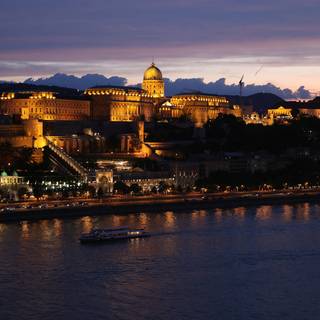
(269, 43)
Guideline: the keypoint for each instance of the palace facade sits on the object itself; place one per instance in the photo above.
(120, 104)
(200, 107)
(44, 106)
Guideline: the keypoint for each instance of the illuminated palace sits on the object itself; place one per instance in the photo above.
(127, 104)
(118, 104)
(200, 107)
(44, 106)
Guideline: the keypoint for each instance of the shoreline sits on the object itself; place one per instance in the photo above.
(164, 204)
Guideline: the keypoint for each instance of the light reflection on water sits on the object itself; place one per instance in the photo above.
(265, 258)
(264, 213)
(87, 224)
(240, 212)
(218, 214)
(287, 213)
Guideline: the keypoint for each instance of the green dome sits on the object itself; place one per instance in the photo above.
(15, 174)
(4, 174)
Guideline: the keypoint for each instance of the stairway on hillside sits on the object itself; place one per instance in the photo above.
(59, 156)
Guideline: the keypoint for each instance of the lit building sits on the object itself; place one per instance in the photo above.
(153, 82)
(169, 111)
(252, 118)
(120, 103)
(280, 113)
(10, 185)
(312, 112)
(255, 118)
(200, 107)
(147, 180)
(126, 104)
(44, 106)
(28, 134)
(104, 181)
(9, 181)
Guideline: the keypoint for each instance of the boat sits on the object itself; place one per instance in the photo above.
(113, 234)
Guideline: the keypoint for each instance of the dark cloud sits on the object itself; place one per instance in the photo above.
(221, 87)
(36, 33)
(173, 87)
(61, 24)
(81, 83)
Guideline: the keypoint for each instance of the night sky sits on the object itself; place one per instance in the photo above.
(187, 38)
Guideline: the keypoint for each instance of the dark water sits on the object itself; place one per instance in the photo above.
(256, 263)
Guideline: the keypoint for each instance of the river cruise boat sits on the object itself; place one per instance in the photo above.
(109, 235)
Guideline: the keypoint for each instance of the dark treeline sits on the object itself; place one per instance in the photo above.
(303, 173)
(228, 133)
(294, 148)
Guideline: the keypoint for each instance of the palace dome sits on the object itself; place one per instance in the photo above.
(152, 73)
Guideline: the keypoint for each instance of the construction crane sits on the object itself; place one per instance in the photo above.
(241, 85)
(259, 70)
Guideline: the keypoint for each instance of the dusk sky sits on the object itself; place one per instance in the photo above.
(187, 38)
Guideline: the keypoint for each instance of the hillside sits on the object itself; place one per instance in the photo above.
(18, 87)
(311, 104)
(259, 101)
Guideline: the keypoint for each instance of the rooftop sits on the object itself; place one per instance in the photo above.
(126, 88)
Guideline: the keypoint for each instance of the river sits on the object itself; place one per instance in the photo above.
(243, 263)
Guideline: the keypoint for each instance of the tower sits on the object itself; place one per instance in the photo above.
(153, 82)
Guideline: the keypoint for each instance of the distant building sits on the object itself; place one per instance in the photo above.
(11, 180)
(103, 181)
(147, 180)
(11, 184)
(256, 118)
(280, 113)
(312, 112)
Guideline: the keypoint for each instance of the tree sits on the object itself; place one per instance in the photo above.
(65, 193)
(100, 193)
(37, 191)
(91, 190)
(163, 187)
(179, 189)
(135, 188)
(4, 194)
(22, 191)
(121, 187)
(6, 152)
(295, 113)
